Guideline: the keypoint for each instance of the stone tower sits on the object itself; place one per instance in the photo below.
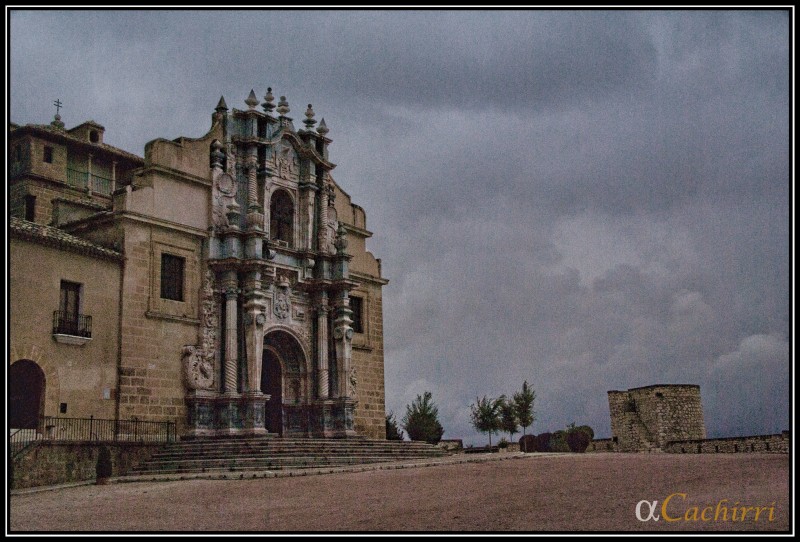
(644, 419)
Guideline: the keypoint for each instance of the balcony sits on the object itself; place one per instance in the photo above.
(70, 328)
(82, 180)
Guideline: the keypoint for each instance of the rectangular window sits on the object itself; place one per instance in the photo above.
(30, 208)
(357, 306)
(68, 318)
(69, 304)
(172, 277)
(48, 155)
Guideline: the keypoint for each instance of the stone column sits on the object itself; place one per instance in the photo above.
(322, 232)
(231, 335)
(322, 347)
(343, 339)
(89, 183)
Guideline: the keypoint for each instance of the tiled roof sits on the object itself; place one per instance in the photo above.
(47, 235)
(52, 130)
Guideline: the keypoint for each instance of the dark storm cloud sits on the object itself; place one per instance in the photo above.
(586, 200)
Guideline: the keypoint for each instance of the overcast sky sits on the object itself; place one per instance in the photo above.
(586, 200)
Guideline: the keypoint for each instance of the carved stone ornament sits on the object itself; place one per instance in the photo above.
(282, 305)
(224, 195)
(353, 381)
(198, 371)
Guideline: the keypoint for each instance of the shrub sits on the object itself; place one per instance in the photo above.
(527, 444)
(392, 431)
(503, 443)
(578, 441)
(421, 421)
(543, 442)
(588, 430)
(558, 442)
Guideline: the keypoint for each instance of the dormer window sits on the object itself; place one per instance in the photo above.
(94, 137)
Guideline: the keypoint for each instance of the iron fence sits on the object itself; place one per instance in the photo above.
(51, 428)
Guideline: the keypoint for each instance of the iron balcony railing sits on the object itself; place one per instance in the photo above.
(77, 179)
(101, 185)
(51, 428)
(67, 323)
(80, 180)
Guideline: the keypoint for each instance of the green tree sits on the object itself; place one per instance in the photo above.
(421, 421)
(486, 415)
(523, 406)
(393, 432)
(508, 419)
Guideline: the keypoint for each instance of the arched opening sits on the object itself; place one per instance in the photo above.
(281, 217)
(282, 378)
(25, 394)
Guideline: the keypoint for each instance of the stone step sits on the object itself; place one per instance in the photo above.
(254, 464)
(271, 453)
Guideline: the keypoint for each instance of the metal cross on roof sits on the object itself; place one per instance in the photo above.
(57, 103)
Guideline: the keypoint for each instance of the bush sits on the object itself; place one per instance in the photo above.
(503, 443)
(558, 442)
(543, 442)
(578, 441)
(527, 444)
(588, 430)
(104, 467)
(392, 431)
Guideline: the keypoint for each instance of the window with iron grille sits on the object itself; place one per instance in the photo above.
(172, 277)
(357, 306)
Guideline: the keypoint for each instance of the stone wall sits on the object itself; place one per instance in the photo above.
(51, 463)
(81, 377)
(370, 414)
(776, 444)
(602, 445)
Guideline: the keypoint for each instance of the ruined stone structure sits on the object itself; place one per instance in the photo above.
(669, 418)
(648, 418)
(234, 285)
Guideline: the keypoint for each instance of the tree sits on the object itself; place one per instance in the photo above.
(486, 415)
(523, 406)
(421, 421)
(392, 431)
(508, 419)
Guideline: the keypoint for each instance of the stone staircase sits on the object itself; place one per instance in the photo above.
(264, 454)
(638, 434)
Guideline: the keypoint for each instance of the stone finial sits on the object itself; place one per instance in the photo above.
(221, 106)
(268, 99)
(57, 122)
(341, 239)
(283, 106)
(251, 100)
(216, 154)
(309, 122)
(322, 129)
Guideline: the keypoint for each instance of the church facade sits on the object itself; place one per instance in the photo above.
(225, 280)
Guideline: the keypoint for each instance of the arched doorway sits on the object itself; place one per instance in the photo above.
(283, 377)
(25, 394)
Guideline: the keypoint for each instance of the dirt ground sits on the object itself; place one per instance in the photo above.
(588, 492)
